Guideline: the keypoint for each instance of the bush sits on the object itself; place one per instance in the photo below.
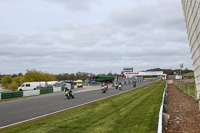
(19, 80)
(1, 79)
(31, 76)
(34, 76)
(6, 81)
(13, 86)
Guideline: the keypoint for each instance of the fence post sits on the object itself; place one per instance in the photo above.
(180, 85)
(199, 102)
(183, 88)
(188, 89)
(195, 92)
(175, 83)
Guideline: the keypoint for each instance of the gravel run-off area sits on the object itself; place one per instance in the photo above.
(184, 112)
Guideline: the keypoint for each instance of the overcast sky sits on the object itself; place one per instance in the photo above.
(95, 36)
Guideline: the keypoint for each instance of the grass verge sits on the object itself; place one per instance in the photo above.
(133, 111)
(184, 89)
(192, 90)
(188, 75)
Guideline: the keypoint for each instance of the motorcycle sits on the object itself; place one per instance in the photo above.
(103, 89)
(116, 86)
(134, 84)
(69, 94)
(106, 87)
(120, 87)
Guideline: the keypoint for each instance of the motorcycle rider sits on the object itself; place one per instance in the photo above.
(134, 84)
(120, 85)
(116, 86)
(106, 85)
(70, 91)
(103, 89)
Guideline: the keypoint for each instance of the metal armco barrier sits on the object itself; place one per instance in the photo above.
(62, 88)
(44, 91)
(0, 96)
(11, 95)
(161, 112)
(72, 87)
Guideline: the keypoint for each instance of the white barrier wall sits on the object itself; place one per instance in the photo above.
(0, 96)
(57, 89)
(161, 112)
(75, 86)
(31, 93)
(68, 85)
(191, 9)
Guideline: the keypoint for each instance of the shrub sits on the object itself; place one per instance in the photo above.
(34, 76)
(6, 81)
(31, 76)
(13, 86)
(19, 80)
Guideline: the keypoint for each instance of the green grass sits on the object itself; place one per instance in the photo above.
(188, 75)
(134, 111)
(192, 90)
(149, 78)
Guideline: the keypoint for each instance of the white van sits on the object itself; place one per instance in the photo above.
(32, 86)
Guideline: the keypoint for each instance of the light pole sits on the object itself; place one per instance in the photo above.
(180, 69)
(181, 66)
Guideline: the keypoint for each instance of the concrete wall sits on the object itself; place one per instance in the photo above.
(57, 89)
(129, 80)
(191, 9)
(31, 93)
(7, 95)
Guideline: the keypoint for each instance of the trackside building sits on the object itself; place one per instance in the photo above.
(191, 9)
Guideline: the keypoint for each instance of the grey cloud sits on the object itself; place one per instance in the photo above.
(7, 39)
(36, 39)
(161, 14)
(143, 36)
(131, 17)
(76, 5)
(65, 26)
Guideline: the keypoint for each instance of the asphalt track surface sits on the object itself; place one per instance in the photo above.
(30, 107)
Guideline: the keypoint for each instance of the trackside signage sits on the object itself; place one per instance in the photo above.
(148, 73)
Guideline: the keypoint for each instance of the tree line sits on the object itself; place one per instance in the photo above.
(80, 75)
(13, 82)
(171, 71)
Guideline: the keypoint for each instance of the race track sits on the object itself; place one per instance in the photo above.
(30, 107)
